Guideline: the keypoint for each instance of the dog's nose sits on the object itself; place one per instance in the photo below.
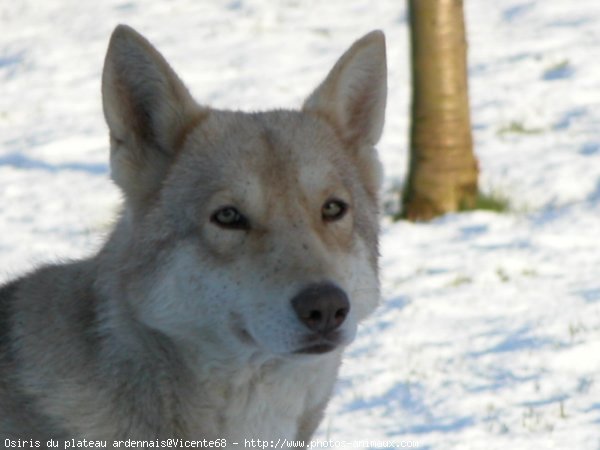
(321, 307)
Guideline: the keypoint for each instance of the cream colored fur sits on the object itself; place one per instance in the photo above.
(181, 327)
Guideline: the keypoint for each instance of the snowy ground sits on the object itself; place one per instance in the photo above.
(489, 332)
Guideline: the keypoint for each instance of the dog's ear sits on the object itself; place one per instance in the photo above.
(353, 96)
(147, 108)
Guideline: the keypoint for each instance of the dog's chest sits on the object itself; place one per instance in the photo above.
(267, 410)
(267, 406)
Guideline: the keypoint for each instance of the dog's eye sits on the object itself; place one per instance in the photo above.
(333, 210)
(229, 217)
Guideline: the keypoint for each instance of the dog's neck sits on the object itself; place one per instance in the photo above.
(233, 398)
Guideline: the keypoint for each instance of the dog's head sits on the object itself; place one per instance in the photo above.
(254, 231)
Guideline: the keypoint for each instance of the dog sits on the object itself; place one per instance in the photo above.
(245, 256)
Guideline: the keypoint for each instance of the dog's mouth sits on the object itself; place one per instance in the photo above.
(317, 349)
(313, 344)
(318, 344)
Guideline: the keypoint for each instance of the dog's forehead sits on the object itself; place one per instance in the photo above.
(296, 154)
(281, 149)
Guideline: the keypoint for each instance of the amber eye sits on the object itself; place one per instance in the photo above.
(229, 217)
(333, 210)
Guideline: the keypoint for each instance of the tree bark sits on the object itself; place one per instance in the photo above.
(443, 170)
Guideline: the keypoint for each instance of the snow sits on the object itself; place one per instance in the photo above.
(488, 335)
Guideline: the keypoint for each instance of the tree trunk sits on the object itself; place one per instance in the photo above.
(443, 170)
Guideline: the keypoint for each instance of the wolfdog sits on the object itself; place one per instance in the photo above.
(244, 257)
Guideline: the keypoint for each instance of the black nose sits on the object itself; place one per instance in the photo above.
(321, 307)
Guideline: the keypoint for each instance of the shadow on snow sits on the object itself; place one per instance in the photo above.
(23, 162)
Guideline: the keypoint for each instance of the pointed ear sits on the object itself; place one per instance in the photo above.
(353, 96)
(147, 108)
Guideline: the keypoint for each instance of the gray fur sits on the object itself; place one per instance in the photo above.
(178, 328)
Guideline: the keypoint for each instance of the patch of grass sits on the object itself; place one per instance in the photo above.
(322, 31)
(460, 280)
(489, 201)
(575, 329)
(502, 275)
(517, 127)
(529, 273)
(561, 69)
(561, 65)
(486, 200)
(493, 201)
(562, 413)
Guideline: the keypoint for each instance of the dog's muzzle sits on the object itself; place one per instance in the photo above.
(322, 308)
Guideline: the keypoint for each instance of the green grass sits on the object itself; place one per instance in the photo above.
(561, 65)
(489, 201)
(517, 127)
(493, 201)
(561, 69)
(460, 280)
(502, 275)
